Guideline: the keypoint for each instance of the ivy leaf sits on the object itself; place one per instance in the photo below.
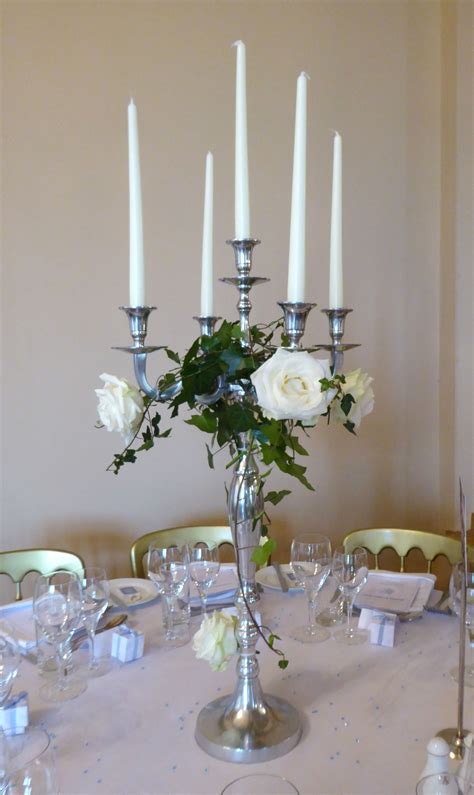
(283, 663)
(261, 554)
(173, 356)
(276, 496)
(206, 421)
(346, 403)
(210, 457)
(350, 427)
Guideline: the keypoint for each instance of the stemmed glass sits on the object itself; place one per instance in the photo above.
(204, 569)
(168, 569)
(57, 607)
(9, 659)
(311, 564)
(350, 569)
(455, 590)
(95, 598)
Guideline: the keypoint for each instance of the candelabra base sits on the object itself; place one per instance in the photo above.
(267, 730)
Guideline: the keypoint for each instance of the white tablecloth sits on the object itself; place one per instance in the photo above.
(368, 712)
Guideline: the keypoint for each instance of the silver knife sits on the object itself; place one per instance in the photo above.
(281, 578)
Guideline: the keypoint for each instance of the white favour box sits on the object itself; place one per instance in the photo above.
(381, 626)
(127, 644)
(14, 714)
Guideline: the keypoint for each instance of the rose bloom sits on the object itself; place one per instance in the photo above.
(120, 406)
(358, 384)
(215, 640)
(288, 387)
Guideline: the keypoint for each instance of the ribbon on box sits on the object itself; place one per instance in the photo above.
(14, 714)
(381, 626)
(127, 644)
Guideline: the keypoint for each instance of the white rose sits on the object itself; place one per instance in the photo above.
(288, 387)
(120, 406)
(358, 384)
(215, 640)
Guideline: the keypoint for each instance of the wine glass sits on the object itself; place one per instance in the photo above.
(57, 607)
(311, 563)
(9, 660)
(168, 568)
(351, 570)
(204, 569)
(455, 590)
(95, 598)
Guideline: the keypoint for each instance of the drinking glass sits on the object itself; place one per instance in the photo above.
(351, 570)
(168, 568)
(95, 598)
(57, 607)
(31, 769)
(260, 784)
(310, 562)
(438, 784)
(204, 569)
(455, 588)
(9, 659)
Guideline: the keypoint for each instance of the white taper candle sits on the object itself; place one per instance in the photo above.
(137, 270)
(336, 300)
(296, 260)
(207, 308)
(242, 206)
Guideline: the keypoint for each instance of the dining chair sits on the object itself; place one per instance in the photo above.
(432, 545)
(17, 563)
(176, 536)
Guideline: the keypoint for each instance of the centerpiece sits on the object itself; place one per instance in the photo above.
(253, 396)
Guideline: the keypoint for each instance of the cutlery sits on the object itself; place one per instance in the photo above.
(80, 636)
(281, 578)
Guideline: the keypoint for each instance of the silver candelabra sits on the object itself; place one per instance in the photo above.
(247, 725)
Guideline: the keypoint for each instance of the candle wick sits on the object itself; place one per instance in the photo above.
(335, 132)
(236, 43)
(305, 74)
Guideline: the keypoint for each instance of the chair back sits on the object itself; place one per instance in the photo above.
(374, 540)
(176, 537)
(20, 562)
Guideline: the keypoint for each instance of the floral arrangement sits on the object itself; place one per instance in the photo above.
(276, 395)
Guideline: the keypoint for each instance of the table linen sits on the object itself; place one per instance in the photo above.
(368, 711)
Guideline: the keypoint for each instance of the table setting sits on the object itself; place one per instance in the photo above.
(356, 707)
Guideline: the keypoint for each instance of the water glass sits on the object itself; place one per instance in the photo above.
(204, 569)
(9, 659)
(310, 562)
(95, 598)
(260, 784)
(31, 769)
(350, 569)
(439, 784)
(168, 568)
(57, 607)
(455, 590)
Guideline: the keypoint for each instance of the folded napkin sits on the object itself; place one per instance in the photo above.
(223, 590)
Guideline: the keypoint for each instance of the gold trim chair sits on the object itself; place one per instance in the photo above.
(17, 563)
(177, 536)
(374, 540)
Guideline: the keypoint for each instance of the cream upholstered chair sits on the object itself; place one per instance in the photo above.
(432, 545)
(20, 562)
(175, 537)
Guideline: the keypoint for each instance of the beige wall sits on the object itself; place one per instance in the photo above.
(381, 74)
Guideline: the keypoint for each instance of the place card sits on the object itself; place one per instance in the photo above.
(395, 594)
(14, 714)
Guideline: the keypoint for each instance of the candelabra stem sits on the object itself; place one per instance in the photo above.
(243, 250)
(337, 318)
